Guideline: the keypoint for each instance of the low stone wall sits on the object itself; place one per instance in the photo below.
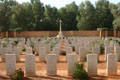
(86, 33)
(55, 33)
(34, 34)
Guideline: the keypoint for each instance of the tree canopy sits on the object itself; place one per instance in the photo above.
(36, 16)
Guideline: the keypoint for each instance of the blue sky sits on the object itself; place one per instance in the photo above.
(62, 3)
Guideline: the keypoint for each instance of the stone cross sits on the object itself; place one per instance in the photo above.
(60, 31)
(60, 25)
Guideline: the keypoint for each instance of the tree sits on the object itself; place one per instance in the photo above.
(29, 16)
(38, 14)
(68, 15)
(86, 17)
(5, 15)
(35, 16)
(116, 23)
(19, 17)
(51, 16)
(115, 9)
(104, 15)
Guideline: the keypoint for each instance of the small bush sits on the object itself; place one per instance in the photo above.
(102, 47)
(52, 45)
(16, 42)
(33, 51)
(63, 53)
(116, 41)
(85, 58)
(90, 52)
(18, 75)
(24, 49)
(119, 42)
(39, 40)
(80, 73)
(73, 48)
(47, 41)
(110, 39)
(31, 44)
(4, 43)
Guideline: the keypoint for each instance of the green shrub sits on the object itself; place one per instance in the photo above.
(90, 52)
(32, 45)
(69, 41)
(33, 51)
(24, 49)
(7, 40)
(85, 58)
(4, 43)
(119, 42)
(116, 41)
(52, 45)
(39, 40)
(102, 47)
(18, 75)
(73, 48)
(110, 39)
(16, 42)
(80, 73)
(26, 38)
(48, 40)
(63, 53)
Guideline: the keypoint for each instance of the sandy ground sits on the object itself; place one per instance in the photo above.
(61, 70)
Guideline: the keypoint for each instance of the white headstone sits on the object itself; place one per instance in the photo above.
(10, 64)
(108, 50)
(52, 64)
(68, 51)
(17, 51)
(92, 64)
(112, 64)
(82, 53)
(3, 52)
(96, 50)
(30, 65)
(42, 54)
(56, 51)
(48, 49)
(77, 48)
(29, 50)
(72, 61)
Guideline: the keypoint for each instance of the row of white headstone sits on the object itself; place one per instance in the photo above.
(16, 51)
(72, 60)
(42, 50)
(31, 64)
(80, 49)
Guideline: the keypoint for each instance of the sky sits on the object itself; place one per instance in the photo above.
(62, 3)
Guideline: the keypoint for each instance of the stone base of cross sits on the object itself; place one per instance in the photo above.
(60, 35)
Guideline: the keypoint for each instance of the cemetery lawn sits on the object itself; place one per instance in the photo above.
(61, 70)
